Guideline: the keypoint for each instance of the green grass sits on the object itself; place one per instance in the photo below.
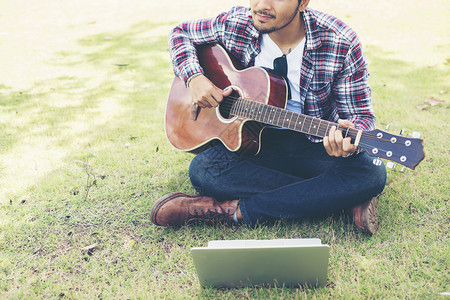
(91, 157)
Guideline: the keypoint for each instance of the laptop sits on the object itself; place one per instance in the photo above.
(280, 262)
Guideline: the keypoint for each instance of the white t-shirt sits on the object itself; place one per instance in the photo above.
(270, 51)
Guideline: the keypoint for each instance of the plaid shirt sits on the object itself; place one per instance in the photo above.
(334, 75)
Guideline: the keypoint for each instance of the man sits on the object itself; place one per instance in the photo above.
(294, 175)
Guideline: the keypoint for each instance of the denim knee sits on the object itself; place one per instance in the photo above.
(196, 169)
(383, 178)
(378, 179)
(204, 169)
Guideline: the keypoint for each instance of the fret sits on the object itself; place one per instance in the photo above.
(321, 128)
(260, 111)
(277, 118)
(318, 126)
(245, 105)
(310, 124)
(282, 119)
(246, 110)
(234, 108)
(326, 130)
(297, 122)
(273, 112)
(314, 126)
(242, 107)
(287, 119)
(271, 116)
(257, 111)
(268, 115)
(293, 121)
(289, 116)
(266, 112)
(252, 110)
(238, 107)
(303, 122)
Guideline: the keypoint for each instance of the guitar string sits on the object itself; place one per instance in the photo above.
(229, 106)
(310, 120)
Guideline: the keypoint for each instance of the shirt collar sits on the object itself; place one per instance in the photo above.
(313, 40)
(251, 29)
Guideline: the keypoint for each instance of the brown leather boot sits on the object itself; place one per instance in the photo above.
(177, 209)
(365, 216)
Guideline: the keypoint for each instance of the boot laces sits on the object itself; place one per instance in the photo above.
(210, 215)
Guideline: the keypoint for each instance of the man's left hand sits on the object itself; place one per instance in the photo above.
(335, 144)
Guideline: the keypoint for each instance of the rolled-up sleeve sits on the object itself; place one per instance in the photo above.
(352, 91)
(184, 38)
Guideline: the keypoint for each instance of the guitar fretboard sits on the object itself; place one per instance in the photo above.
(283, 118)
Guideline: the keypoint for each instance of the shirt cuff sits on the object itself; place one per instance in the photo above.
(188, 81)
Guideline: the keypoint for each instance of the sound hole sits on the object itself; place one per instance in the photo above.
(227, 104)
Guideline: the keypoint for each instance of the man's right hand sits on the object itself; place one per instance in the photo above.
(205, 94)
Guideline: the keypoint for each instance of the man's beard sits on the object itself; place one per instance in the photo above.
(273, 29)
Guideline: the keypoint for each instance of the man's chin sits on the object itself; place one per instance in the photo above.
(265, 30)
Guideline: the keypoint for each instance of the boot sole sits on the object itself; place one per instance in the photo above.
(370, 219)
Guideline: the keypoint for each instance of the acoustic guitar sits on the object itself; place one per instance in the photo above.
(258, 99)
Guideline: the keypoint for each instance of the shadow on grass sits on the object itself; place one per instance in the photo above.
(113, 94)
(135, 70)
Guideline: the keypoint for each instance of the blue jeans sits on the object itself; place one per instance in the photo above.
(290, 178)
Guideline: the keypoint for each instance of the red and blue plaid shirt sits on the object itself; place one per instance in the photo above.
(334, 75)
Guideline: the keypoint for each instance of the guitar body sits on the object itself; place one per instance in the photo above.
(211, 125)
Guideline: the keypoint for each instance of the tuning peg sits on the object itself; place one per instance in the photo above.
(387, 127)
(402, 131)
(377, 162)
(403, 169)
(390, 165)
(416, 134)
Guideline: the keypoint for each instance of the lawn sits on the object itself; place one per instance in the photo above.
(83, 156)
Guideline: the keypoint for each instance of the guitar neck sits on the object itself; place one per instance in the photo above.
(283, 118)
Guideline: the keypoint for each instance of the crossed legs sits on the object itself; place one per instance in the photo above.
(290, 178)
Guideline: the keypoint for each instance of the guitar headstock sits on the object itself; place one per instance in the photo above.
(407, 151)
